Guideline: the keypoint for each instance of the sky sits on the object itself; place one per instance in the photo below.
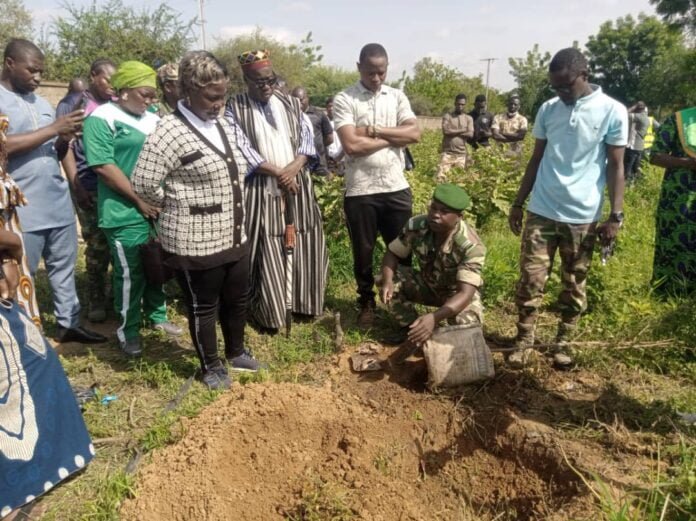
(458, 33)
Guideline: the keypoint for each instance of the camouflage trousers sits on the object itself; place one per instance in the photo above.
(540, 240)
(97, 253)
(410, 289)
(447, 162)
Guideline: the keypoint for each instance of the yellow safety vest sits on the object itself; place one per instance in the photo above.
(649, 138)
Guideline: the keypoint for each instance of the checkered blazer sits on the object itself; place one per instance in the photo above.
(199, 188)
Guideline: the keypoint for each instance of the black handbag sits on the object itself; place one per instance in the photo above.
(152, 257)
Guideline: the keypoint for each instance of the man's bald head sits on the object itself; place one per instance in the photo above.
(301, 94)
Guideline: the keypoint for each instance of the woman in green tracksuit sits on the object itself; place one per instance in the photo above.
(114, 134)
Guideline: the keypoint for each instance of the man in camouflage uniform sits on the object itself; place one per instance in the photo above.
(580, 138)
(509, 128)
(168, 84)
(450, 255)
(457, 128)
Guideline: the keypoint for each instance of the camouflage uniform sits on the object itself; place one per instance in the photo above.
(459, 259)
(97, 254)
(540, 240)
(448, 161)
(510, 125)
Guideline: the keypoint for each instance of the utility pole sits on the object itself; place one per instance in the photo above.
(202, 22)
(488, 72)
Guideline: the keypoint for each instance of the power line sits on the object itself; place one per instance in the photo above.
(202, 22)
(488, 71)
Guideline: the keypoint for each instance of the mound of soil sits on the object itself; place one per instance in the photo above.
(362, 447)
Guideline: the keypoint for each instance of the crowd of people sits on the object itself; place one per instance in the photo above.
(225, 183)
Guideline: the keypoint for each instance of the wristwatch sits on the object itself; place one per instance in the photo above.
(616, 217)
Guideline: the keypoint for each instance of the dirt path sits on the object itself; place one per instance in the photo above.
(376, 447)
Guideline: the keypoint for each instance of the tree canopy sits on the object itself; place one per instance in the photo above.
(531, 74)
(151, 35)
(680, 13)
(15, 21)
(434, 85)
(622, 52)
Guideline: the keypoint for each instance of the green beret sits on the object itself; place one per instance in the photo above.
(453, 196)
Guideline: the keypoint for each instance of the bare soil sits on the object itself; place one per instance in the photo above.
(376, 446)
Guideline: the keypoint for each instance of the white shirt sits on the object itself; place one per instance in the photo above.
(206, 127)
(381, 171)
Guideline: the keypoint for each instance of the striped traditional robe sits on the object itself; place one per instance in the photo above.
(265, 215)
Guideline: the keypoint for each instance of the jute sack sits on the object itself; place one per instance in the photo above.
(457, 355)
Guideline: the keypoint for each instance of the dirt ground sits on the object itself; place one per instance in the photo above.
(375, 446)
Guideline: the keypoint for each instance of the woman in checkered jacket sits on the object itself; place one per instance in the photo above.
(193, 167)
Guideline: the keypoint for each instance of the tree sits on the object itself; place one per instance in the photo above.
(680, 13)
(15, 21)
(434, 85)
(678, 68)
(289, 62)
(531, 74)
(322, 81)
(113, 30)
(622, 52)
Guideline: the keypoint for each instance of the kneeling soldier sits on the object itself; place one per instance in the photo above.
(450, 255)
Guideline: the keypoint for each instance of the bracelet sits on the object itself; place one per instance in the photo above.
(9, 260)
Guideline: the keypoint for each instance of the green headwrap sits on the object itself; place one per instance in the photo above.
(134, 74)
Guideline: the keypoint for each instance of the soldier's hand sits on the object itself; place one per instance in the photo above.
(515, 218)
(422, 329)
(387, 292)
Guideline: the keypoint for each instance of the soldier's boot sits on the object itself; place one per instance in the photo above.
(524, 343)
(97, 308)
(562, 352)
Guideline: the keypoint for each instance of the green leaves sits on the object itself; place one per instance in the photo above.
(114, 30)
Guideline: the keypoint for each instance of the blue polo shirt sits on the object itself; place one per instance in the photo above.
(37, 172)
(570, 182)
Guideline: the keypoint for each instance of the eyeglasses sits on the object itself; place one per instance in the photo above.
(268, 82)
(567, 88)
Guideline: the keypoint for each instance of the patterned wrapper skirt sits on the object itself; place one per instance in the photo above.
(43, 438)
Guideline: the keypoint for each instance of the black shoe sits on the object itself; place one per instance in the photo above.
(79, 334)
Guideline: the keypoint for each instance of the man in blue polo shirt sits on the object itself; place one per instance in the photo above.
(580, 139)
(48, 221)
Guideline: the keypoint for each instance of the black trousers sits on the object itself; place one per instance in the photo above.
(631, 163)
(212, 294)
(366, 216)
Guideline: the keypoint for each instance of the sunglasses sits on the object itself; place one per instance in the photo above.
(268, 82)
(566, 88)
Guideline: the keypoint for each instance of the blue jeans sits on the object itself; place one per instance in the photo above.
(58, 247)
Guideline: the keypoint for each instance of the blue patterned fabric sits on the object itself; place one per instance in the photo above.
(43, 438)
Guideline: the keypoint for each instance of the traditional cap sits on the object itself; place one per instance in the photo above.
(133, 74)
(168, 72)
(453, 196)
(254, 59)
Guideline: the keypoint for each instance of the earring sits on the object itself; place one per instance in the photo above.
(124, 96)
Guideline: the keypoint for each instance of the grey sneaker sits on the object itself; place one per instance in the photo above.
(131, 347)
(217, 378)
(169, 328)
(244, 362)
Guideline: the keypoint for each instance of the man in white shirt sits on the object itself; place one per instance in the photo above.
(374, 123)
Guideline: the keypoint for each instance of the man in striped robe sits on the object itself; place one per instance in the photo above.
(275, 127)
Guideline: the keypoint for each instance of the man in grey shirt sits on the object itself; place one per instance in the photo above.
(638, 122)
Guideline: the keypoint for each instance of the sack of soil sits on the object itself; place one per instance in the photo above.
(457, 355)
